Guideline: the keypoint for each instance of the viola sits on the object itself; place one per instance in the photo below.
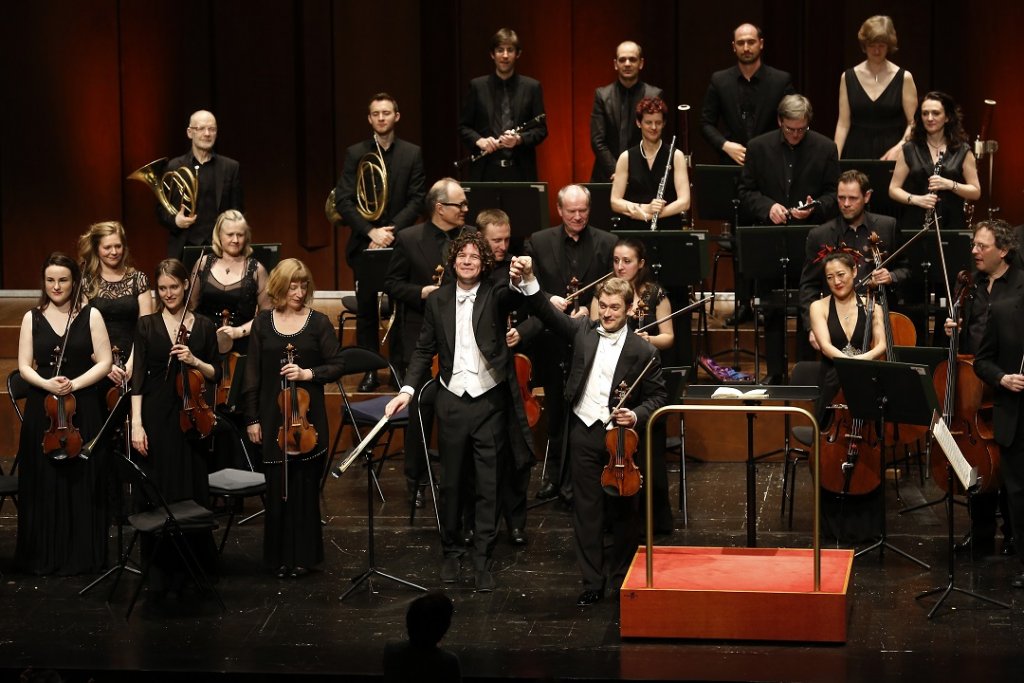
(295, 436)
(849, 449)
(195, 417)
(230, 363)
(62, 440)
(966, 406)
(524, 371)
(621, 476)
(116, 392)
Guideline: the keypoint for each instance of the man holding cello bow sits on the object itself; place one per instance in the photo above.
(604, 356)
(464, 324)
(996, 279)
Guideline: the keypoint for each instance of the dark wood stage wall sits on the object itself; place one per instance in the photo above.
(95, 89)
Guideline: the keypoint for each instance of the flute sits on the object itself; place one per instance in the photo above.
(664, 179)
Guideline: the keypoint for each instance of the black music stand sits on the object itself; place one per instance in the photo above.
(926, 270)
(884, 392)
(525, 203)
(601, 214)
(679, 260)
(117, 418)
(951, 586)
(716, 196)
(773, 255)
(879, 175)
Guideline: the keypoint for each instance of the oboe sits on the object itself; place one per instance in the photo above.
(664, 179)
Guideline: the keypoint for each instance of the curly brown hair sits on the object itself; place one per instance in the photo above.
(465, 238)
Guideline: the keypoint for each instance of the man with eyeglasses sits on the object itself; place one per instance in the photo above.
(852, 228)
(785, 169)
(496, 105)
(464, 326)
(420, 250)
(743, 97)
(612, 129)
(220, 188)
(403, 162)
(998, 281)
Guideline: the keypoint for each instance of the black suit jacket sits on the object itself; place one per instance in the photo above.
(763, 181)
(812, 276)
(437, 336)
(406, 189)
(413, 264)
(547, 248)
(648, 396)
(721, 103)
(227, 189)
(477, 121)
(605, 120)
(1000, 353)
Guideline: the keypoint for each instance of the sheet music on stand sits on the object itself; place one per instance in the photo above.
(967, 475)
(363, 445)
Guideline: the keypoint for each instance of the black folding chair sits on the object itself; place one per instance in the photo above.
(165, 520)
(17, 389)
(234, 484)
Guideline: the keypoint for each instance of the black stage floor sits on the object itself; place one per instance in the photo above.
(529, 628)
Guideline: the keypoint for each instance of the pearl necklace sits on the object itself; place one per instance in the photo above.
(643, 153)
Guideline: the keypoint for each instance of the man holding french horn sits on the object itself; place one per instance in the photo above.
(214, 187)
(380, 192)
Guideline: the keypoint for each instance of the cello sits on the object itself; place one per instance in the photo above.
(965, 410)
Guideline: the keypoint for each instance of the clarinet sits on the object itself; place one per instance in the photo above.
(664, 179)
(931, 215)
(515, 131)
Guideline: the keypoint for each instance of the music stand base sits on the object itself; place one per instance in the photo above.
(105, 575)
(948, 590)
(882, 543)
(367, 576)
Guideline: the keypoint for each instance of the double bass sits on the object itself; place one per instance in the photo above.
(966, 405)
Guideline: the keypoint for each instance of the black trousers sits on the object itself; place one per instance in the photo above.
(587, 458)
(1011, 467)
(367, 320)
(471, 435)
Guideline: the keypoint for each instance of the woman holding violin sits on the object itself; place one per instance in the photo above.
(293, 353)
(650, 305)
(63, 352)
(175, 357)
(115, 288)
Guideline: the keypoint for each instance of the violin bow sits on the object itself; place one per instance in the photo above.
(184, 309)
(75, 305)
(633, 386)
(592, 284)
(684, 309)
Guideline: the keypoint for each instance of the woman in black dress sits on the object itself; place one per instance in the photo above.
(62, 516)
(115, 288)
(172, 457)
(936, 169)
(293, 539)
(639, 171)
(877, 99)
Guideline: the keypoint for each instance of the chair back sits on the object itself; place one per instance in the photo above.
(17, 389)
(357, 360)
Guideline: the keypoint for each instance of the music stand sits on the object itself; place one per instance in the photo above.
(601, 214)
(881, 392)
(769, 254)
(716, 192)
(952, 453)
(879, 175)
(365, 449)
(525, 203)
(117, 418)
(926, 267)
(268, 254)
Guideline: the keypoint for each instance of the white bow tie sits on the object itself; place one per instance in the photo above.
(471, 296)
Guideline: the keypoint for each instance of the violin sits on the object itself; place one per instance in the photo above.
(119, 390)
(966, 405)
(524, 371)
(571, 291)
(621, 476)
(195, 417)
(230, 363)
(850, 450)
(295, 436)
(61, 440)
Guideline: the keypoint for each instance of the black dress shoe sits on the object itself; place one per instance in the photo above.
(1018, 580)
(450, 570)
(772, 380)
(589, 598)
(743, 314)
(1008, 548)
(298, 572)
(281, 572)
(415, 492)
(517, 537)
(484, 581)
(370, 382)
(467, 537)
(547, 490)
